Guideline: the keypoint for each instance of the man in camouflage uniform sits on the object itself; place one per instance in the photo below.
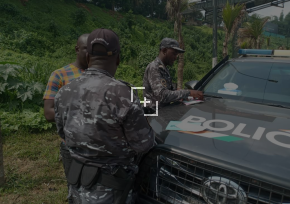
(157, 80)
(101, 126)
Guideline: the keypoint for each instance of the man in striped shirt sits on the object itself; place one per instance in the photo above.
(64, 75)
(58, 79)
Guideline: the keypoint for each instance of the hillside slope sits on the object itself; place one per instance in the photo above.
(43, 34)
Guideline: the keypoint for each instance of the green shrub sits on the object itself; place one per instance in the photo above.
(8, 9)
(53, 28)
(130, 75)
(14, 88)
(27, 42)
(25, 120)
(79, 17)
(129, 18)
(146, 55)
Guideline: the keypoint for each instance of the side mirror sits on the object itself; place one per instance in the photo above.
(191, 84)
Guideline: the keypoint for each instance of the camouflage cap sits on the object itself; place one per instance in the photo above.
(170, 43)
(108, 38)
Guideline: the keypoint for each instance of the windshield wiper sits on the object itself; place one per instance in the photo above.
(277, 105)
(272, 104)
(212, 96)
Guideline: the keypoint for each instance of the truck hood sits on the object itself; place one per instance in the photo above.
(248, 135)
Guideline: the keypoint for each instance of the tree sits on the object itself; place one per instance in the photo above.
(1, 161)
(252, 31)
(174, 9)
(232, 16)
(129, 17)
(148, 8)
(268, 43)
(281, 18)
(275, 19)
(193, 16)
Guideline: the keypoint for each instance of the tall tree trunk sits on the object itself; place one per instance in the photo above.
(1, 161)
(181, 55)
(113, 5)
(225, 45)
(152, 10)
(258, 43)
(180, 64)
(235, 38)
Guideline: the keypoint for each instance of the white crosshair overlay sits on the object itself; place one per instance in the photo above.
(145, 102)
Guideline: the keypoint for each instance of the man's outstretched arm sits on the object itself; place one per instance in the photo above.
(49, 110)
(51, 90)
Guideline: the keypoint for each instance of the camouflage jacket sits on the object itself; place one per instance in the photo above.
(158, 85)
(100, 124)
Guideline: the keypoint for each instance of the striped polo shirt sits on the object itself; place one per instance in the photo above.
(59, 78)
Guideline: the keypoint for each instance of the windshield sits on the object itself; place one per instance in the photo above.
(262, 82)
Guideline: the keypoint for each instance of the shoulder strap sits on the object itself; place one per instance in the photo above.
(124, 82)
(130, 86)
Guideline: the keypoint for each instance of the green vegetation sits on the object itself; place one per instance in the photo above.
(275, 43)
(232, 18)
(283, 23)
(252, 31)
(174, 8)
(39, 38)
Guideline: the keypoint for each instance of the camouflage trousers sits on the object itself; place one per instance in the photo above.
(66, 161)
(98, 194)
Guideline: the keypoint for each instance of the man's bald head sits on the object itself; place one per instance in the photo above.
(82, 40)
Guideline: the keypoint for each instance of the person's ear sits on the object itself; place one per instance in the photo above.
(118, 60)
(164, 51)
(87, 58)
(77, 49)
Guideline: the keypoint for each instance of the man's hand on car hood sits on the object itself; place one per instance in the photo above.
(197, 95)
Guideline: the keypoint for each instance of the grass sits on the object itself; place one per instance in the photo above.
(33, 171)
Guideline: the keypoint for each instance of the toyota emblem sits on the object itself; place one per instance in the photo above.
(219, 190)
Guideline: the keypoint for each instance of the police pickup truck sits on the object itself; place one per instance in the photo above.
(233, 148)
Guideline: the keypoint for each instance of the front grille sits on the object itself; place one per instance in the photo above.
(169, 177)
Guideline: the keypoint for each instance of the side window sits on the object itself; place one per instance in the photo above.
(278, 86)
(218, 81)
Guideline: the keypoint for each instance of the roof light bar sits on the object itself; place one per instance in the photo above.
(255, 52)
(280, 53)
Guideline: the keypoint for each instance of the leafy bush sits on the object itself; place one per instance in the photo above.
(130, 75)
(27, 42)
(79, 17)
(129, 18)
(244, 45)
(53, 28)
(145, 56)
(8, 9)
(13, 87)
(25, 120)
